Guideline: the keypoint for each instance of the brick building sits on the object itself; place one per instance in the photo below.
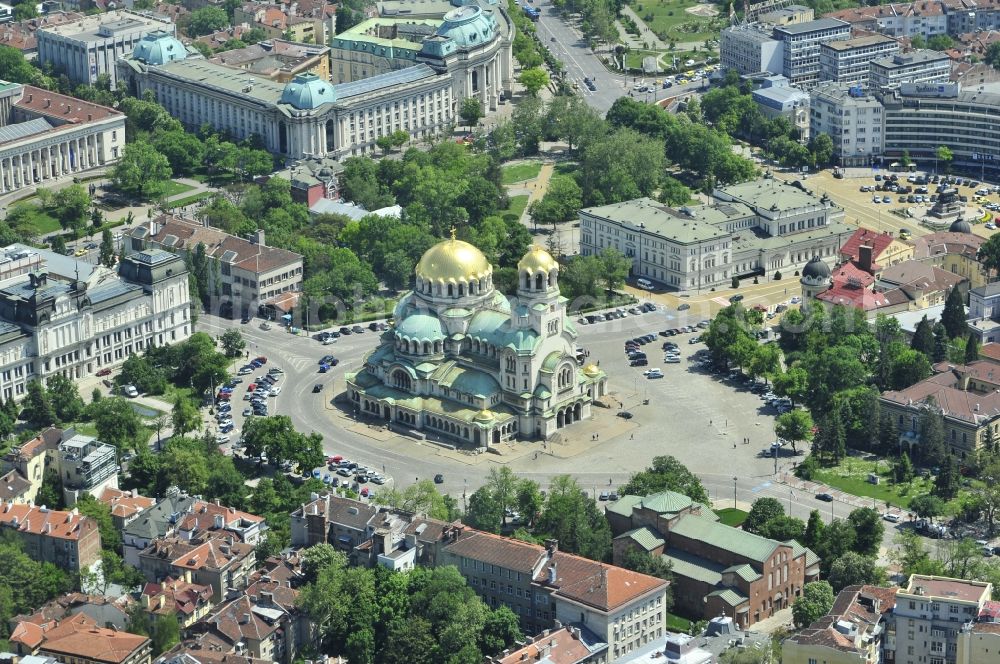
(219, 561)
(717, 570)
(79, 640)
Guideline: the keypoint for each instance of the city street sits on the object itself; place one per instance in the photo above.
(567, 43)
(694, 416)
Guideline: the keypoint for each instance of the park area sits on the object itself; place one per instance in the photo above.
(681, 21)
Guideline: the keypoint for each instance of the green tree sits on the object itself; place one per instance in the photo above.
(793, 383)
(927, 506)
(666, 474)
(763, 510)
(117, 423)
(581, 277)
(944, 154)
(815, 529)
(206, 20)
(946, 483)
(953, 317)
(794, 426)
(993, 55)
(923, 338)
(940, 343)
(64, 398)
(572, 518)
(821, 147)
(909, 367)
(815, 602)
(868, 530)
(184, 150)
(989, 257)
(166, 632)
(903, 469)
(971, 349)
(500, 630)
(784, 528)
(932, 449)
(529, 500)
(673, 192)
(72, 205)
(484, 512)
(614, 268)
(852, 569)
(141, 171)
(232, 342)
(533, 80)
(106, 255)
(38, 409)
(561, 202)
(101, 514)
(184, 417)
(940, 43)
(471, 111)
(13, 65)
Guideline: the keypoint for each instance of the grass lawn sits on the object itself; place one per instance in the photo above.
(86, 429)
(172, 188)
(516, 206)
(678, 624)
(634, 58)
(521, 172)
(172, 392)
(566, 168)
(188, 200)
(680, 25)
(731, 516)
(851, 476)
(38, 220)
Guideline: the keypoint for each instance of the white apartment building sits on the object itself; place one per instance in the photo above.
(848, 61)
(87, 48)
(776, 98)
(930, 611)
(45, 135)
(920, 66)
(75, 318)
(852, 118)
(755, 228)
(801, 47)
(750, 49)
(245, 275)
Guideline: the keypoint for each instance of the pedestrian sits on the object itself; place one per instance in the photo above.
(632, 437)
(710, 423)
(734, 446)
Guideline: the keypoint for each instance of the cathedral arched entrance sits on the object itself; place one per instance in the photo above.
(385, 411)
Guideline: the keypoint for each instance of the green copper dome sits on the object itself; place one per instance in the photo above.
(159, 47)
(308, 91)
(468, 26)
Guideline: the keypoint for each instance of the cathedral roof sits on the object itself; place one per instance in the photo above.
(453, 261)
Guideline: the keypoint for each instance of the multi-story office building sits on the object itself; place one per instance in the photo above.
(86, 465)
(801, 46)
(929, 615)
(851, 633)
(74, 318)
(852, 118)
(90, 47)
(848, 61)
(755, 228)
(921, 66)
(920, 118)
(750, 49)
(787, 15)
(250, 274)
(45, 135)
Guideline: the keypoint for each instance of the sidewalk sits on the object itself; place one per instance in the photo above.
(646, 35)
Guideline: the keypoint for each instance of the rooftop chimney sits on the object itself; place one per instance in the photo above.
(245, 618)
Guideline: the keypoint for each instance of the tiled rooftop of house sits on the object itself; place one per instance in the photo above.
(43, 521)
(80, 636)
(125, 504)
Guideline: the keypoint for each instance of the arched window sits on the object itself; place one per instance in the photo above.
(461, 290)
(437, 346)
(451, 290)
(401, 380)
(538, 282)
(427, 347)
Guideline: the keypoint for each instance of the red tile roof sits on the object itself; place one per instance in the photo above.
(970, 407)
(203, 513)
(948, 588)
(176, 595)
(879, 242)
(50, 523)
(22, 34)
(247, 255)
(79, 636)
(595, 584)
(496, 550)
(125, 504)
(63, 109)
(562, 646)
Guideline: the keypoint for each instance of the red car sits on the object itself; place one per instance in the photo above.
(251, 387)
(262, 359)
(222, 396)
(104, 372)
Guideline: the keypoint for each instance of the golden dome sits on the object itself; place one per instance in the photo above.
(537, 260)
(453, 260)
(484, 416)
(591, 370)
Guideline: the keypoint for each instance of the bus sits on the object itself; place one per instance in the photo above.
(531, 12)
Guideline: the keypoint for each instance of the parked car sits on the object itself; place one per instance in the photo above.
(104, 372)
(130, 391)
(825, 497)
(318, 387)
(439, 479)
(891, 517)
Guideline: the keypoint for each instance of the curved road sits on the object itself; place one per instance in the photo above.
(697, 418)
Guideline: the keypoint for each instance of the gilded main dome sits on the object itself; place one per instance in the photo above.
(453, 260)
(537, 260)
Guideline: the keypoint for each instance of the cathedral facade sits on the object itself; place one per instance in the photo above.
(464, 362)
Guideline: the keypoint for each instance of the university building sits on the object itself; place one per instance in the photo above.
(45, 135)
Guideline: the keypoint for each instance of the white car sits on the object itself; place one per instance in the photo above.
(891, 517)
(244, 371)
(275, 391)
(329, 341)
(991, 226)
(130, 391)
(652, 372)
(221, 439)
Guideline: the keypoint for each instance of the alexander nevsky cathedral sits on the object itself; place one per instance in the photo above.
(467, 363)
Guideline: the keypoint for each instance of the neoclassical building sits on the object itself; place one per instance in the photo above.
(465, 362)
(420, 90)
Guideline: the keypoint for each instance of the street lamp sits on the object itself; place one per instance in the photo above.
(790, 493)
(734, 490)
